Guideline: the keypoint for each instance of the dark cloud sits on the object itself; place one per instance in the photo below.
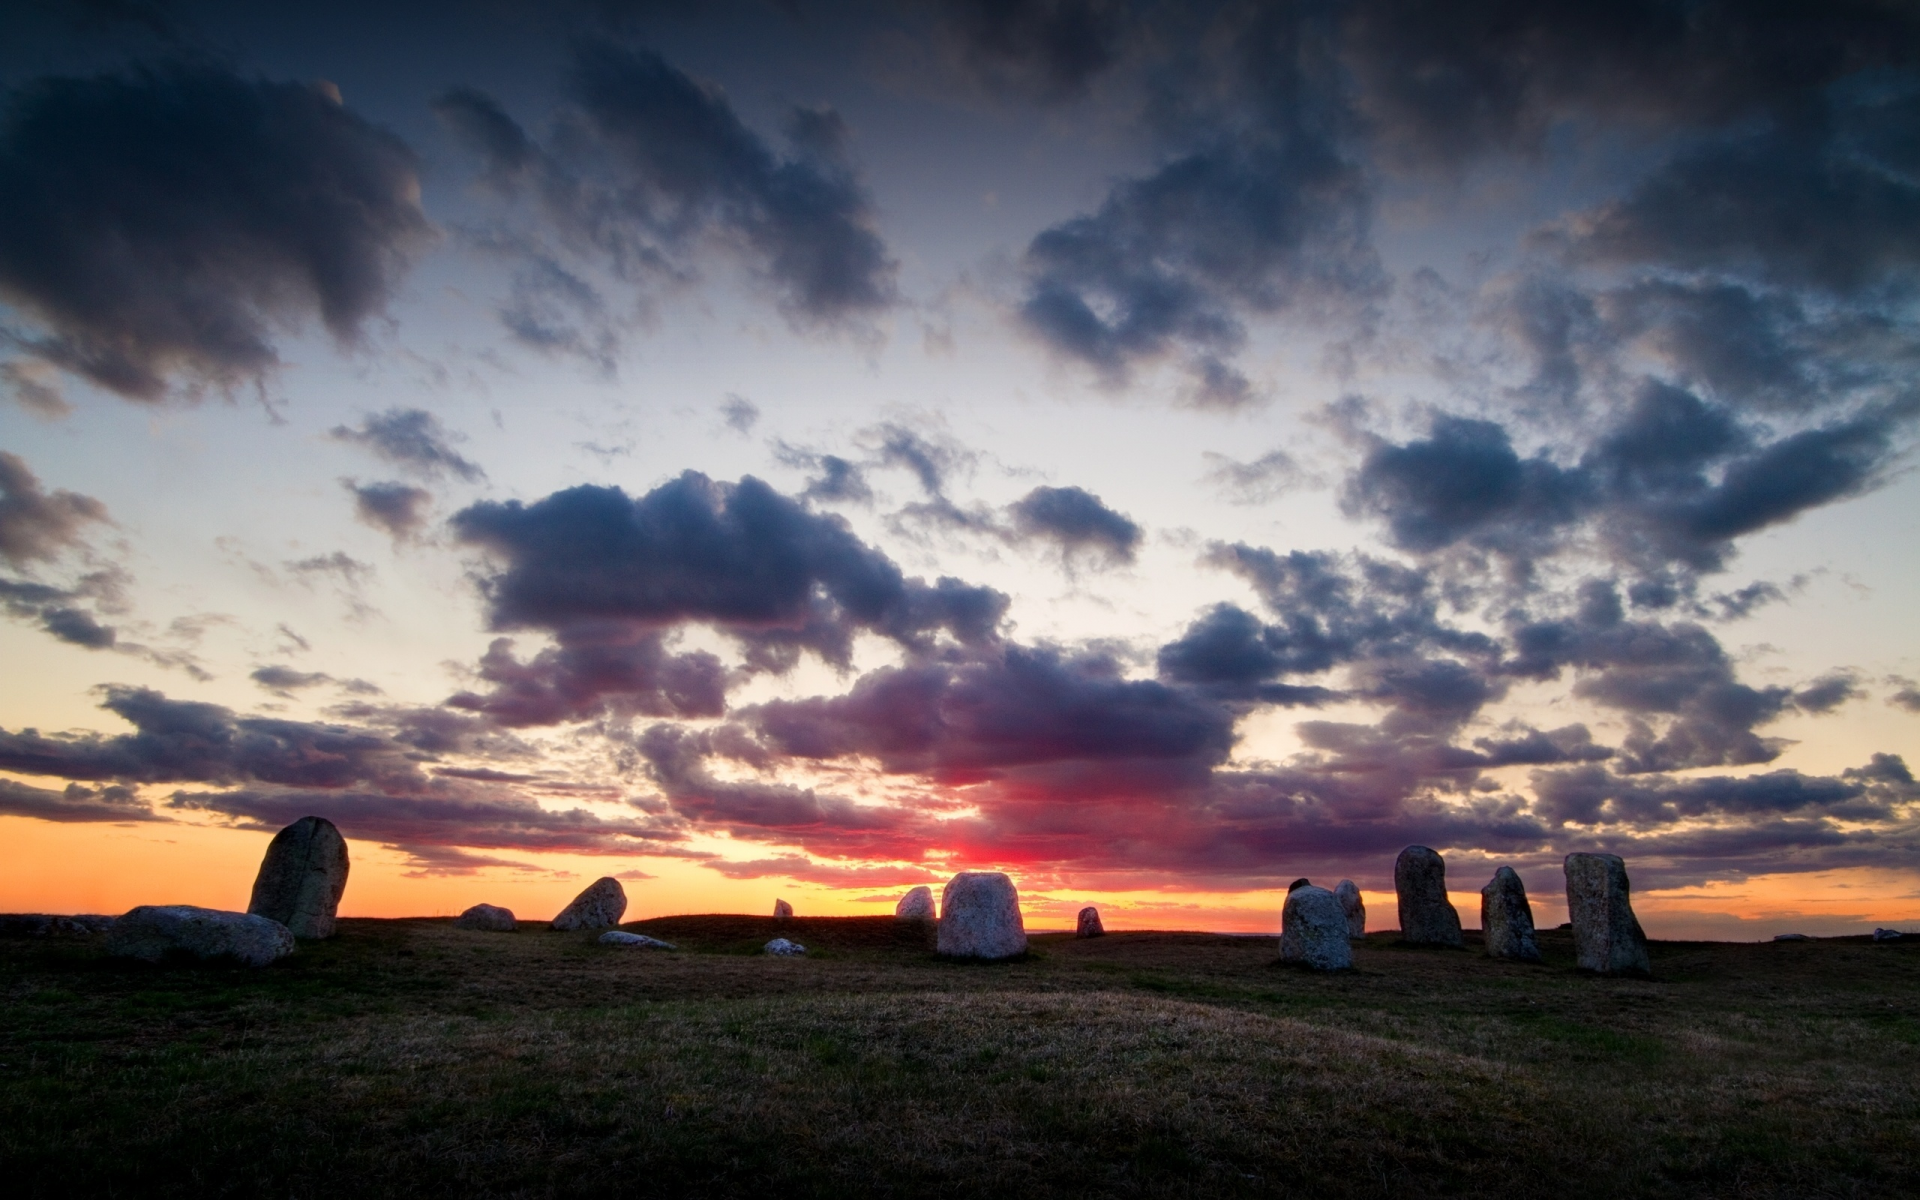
(171, 221)
(1051, 49)
(1077, 523)
(284, 680)
(740, 414)
(396, 509)
(413, 439)
(78, 627)
(597, 669)
(76, 803)
(1266, 478)
(37, 525)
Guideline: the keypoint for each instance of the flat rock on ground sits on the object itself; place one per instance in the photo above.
(1088, 924)
(1313, 930)
(1607, 939)
(1506, 919)
(600, 906)
(153, 932)
(1427, 917)
(302, 878)
(1348, 894)
(916, 905)
(980, 917)
(634, 941)
(782, 948)
(489, 918)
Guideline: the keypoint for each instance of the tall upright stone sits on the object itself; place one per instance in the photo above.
(1348, 894)
(1427, 917)
(782, 910)
(1313, 930)
(1089, 924)
(1506, 919)
(600, 906)
(916, 905)
(980, 917)
(302, 878)
(1607, 938)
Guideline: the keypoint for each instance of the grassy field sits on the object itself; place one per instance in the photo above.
(408, 1057)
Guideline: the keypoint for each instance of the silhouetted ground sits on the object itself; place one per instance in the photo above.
(408, 1057)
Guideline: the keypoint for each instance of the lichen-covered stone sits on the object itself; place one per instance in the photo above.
(1089, 924)
(1607, 939)
(980, 917)
(1313, 930)
(489, 918)
(916, 905)
(600, 906)
(782, 910)
(634, 941)
(1427, 917)
(154, 931)
(782, 948)
(1506, 919)
(1348, 894)
(302, 878)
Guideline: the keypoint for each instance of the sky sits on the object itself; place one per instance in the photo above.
(802, 449)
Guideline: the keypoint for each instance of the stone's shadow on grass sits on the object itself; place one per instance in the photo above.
(409, 1057)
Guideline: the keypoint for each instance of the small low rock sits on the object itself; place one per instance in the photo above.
(1313, 930)
(980, 917)
(1348, 894)
(153, 932)
(782, 910)
(1791, 937)
(488, 918)
(916, 905)
(37, 925)
(634, 941)
(784, 948)
(600, 906)
(1089, 924)
(1887, 935)
(1506, 919)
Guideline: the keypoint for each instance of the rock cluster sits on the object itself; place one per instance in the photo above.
(1089, 924)
(1348, 894)
(1427, 917)
(600, 906)
(782, 910)
(634, 941)
(783, 948)
(302, 877)
(1506, 919)
(488, 918)
(153, 932)
(916, 905)
(980, 917)
(1313, 930)
(1607, 939)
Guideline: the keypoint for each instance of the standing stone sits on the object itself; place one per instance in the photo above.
(152, 931)
(488, 918)
(1348, 894)
(302, 877)
(1089, 924)
(980, 917)
(599, 907)
(1427, 917)
(916, 905)
(1607, 939)
(1313, 930)
(1506, 919)
(782, 910)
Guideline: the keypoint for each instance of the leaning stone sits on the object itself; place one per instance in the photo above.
(599, 907)
(1506, 919)
(488, 918)
(1607, 938)
(1427, 917)
(916, 905)
(153, 931)
(1313, 930)
(782, 910)
(1089, 924)
(783, 948)
(980, 917)
(1791, 937)
(1348, 894)
(302, 877)
(634, 941)
(1887, 935)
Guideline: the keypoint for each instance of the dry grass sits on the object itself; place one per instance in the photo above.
(410, 1057)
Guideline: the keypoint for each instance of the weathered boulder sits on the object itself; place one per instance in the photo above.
(1792, 937)
(782, 948)
(600, 906)
(1089, 924)
(782, 910)
(1506, 919)
(155, 931)
(916, 905)
(980, 917)
(1427, 917)
(1887, 935)
(1313, 930)
(489, 918)
(634, 941)
(302, 877)
(1348, 894)
(1607, 939)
